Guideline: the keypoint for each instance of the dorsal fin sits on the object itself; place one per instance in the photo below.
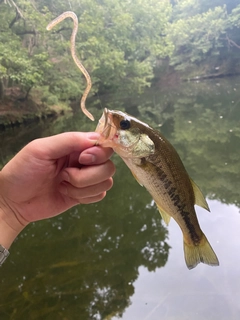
(166, 217)
(199, 198)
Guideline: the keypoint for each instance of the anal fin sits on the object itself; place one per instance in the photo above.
(166, 217)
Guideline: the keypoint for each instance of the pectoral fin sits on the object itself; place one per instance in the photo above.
(199, 198)
(166, 217)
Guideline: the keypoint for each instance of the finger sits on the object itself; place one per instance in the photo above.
(81, 193)
(95, 155)
(88, 175)
(63, 144)
(93, 199)
(73, 202)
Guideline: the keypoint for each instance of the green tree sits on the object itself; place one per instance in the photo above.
(205, 37)
(197, 37)
(22, 61)
(118, 42)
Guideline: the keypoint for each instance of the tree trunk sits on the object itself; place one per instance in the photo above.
(1, 90)
(27, 93)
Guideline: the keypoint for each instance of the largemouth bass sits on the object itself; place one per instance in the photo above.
(156, 165)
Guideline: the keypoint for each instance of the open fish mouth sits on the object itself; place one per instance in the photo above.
(106, 128)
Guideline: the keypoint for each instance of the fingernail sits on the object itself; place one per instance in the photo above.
(87, 158)
(93, 136)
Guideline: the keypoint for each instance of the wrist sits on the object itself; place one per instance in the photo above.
(9, 228)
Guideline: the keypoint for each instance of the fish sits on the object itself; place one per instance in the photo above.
(156, 165)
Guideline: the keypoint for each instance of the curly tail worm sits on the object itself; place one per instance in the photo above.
(70, 14)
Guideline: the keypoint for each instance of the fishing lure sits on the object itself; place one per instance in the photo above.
(63, 16)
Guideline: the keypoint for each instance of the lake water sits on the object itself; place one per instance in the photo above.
(117, 258)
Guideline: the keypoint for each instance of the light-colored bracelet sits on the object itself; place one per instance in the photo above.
(4, 253)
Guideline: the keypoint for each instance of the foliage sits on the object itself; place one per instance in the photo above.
(205, 33)
(118, 43)
(20, 63)
(197, 36)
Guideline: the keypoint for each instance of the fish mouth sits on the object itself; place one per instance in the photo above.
(106, 128)
(106, 117)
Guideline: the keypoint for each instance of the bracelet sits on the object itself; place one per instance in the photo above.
(4, 253)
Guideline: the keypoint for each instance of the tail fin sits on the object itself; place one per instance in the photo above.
(194, 254)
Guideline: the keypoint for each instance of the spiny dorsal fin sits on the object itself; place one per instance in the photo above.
(166, 217)
(199, 198)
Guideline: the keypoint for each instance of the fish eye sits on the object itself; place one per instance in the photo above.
(125, 124)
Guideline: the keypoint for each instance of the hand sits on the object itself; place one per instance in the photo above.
(50, 175)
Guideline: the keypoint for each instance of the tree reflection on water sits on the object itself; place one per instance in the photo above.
(82, 264)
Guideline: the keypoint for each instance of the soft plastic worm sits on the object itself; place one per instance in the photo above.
(70, 14)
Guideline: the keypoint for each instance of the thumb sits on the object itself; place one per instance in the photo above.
(60, 145)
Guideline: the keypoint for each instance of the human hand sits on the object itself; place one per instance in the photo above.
(50, 175)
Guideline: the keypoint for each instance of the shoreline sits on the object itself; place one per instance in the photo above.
(14, 113)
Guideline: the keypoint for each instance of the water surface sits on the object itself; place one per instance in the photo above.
(117, 258)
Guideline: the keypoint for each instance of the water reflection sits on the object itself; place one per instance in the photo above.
(86, 260)
(93, 261)
(203, 293)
